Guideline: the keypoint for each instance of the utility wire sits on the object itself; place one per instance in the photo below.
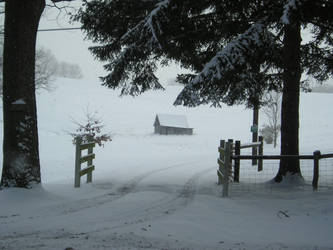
(56, 29)
(59, 29)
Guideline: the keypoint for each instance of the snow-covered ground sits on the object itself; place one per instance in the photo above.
(160, 192)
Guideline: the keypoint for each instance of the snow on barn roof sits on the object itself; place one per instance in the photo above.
(168, 120)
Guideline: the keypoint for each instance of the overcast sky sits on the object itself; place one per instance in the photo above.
(70, 46)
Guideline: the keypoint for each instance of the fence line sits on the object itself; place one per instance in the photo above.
(79, 159)
(227, 154)
(315, 157)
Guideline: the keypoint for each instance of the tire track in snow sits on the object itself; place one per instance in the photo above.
(79, 205)
(154, 210)
(160, 208)
(121, 191)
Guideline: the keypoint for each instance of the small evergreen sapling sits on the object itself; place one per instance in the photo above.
(92, 129)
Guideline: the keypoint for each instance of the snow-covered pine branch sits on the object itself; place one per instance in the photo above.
(132, 71)
(132, 66)
(150, 25)
(225, 77)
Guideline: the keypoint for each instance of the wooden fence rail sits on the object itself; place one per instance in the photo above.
(316, 156)
(79, 159)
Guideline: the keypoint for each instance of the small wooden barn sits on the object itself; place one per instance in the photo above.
(166, 124)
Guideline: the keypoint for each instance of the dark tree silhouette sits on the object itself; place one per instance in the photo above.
(21, 166)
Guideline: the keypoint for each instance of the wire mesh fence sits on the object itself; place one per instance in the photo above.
(251, 179)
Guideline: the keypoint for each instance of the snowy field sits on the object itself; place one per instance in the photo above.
(160, 192)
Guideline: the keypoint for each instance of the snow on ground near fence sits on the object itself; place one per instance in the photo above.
(159, 192)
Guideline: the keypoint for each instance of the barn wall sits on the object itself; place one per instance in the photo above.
(173, 130)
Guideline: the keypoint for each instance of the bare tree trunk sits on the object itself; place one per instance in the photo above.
(21, 167)
(275, 138)
(275, 121)
(290, 101)
(276, 116)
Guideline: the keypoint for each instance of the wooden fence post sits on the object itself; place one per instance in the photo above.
(231, 142)
(77, 175)
(316, 158)
(237, 161)
(89, 162)
(261, 152)
(227, 157)
(221, 156)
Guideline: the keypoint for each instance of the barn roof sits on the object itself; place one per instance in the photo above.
(168, 120)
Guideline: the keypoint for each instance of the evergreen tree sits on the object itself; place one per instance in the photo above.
(236, 49)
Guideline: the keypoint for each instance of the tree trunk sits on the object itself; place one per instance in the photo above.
(290, 101)
(21, 167)
(276, 116)
(255, 124)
